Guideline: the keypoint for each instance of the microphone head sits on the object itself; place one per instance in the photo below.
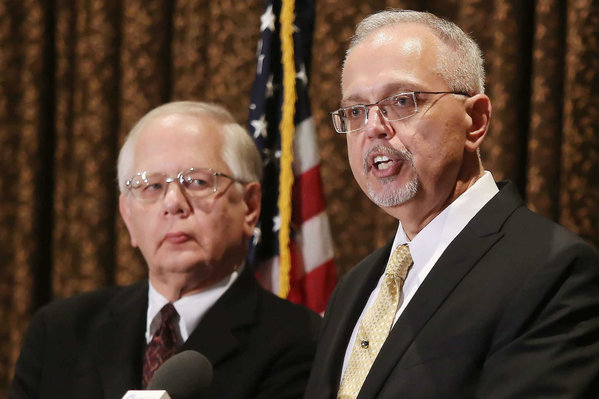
(184, 375)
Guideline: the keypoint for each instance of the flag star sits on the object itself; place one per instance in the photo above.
(257, 235)
(259, 126)
(302, 76)
(269, 87)
(276, 223)
(267, 20)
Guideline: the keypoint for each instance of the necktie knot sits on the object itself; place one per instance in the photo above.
(167, 311)
(168, 325)
(400, 262)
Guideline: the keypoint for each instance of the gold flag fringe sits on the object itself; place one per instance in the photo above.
(287, 129)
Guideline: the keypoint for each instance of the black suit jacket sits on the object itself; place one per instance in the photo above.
(510, 310)
(91, 345)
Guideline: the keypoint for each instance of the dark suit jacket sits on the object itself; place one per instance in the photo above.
(91, 345)
(510, 310)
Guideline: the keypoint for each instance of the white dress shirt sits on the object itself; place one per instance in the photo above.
(430, 243)
(191, 308)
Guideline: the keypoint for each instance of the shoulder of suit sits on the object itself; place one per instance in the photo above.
(284, 313)
(539, 230)
(87, 304)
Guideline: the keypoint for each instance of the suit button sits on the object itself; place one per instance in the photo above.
(364, 344)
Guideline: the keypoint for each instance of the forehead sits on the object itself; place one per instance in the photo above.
(402, 57)
(169, 143)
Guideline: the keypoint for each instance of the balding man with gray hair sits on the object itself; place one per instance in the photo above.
(189, 177)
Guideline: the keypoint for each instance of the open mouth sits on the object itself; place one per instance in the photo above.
(385, 162)
(382, 162)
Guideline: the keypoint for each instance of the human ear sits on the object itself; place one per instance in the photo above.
(125, 211)
(252, 196)
(479, 110)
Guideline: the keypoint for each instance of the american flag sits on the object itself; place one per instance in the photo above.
(312, 270)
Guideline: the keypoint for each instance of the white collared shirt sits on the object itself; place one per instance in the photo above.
(191, 308)
(430, 243)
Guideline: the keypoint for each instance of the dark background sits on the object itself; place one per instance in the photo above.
(76, 75)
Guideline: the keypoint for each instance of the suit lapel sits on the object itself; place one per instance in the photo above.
(459, 258)
(218, 334)
(119, 341)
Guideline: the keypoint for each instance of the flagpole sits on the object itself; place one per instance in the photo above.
(287, 129)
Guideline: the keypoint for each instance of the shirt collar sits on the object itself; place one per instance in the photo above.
(436, 236)
(191, 308)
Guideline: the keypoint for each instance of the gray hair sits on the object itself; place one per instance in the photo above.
(238, 151)
(461, 67)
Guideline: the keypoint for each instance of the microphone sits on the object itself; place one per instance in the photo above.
(183, 376)
(136, 394)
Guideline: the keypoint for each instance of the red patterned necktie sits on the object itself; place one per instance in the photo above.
(163, 345)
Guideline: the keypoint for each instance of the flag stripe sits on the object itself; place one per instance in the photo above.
(310, 244)
(315, 250)
(320, 282)
(305, 147)
(308, 195)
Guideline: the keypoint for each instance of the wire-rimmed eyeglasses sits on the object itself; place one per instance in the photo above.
(393, 108)
(195, 182)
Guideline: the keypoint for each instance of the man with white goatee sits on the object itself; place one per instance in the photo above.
(475, 296)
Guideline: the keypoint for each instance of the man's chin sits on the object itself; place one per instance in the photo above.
(387, 196)
(183, 265)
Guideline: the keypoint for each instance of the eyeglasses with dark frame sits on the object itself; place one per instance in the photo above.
(393, 108)
(195, 182)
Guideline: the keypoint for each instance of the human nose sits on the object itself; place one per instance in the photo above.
(377, 127)
(175, 201)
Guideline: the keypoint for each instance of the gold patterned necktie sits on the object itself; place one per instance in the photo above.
(376, 324)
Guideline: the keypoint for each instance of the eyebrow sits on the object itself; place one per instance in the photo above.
(389, 89)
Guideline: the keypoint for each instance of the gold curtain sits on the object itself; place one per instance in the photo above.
(75, 75)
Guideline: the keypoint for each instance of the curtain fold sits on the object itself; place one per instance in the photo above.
(579, 182)
(86, 114)
(546, 102)
(23, 241)
(75, 76)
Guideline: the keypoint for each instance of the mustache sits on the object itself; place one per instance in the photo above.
(402, 155)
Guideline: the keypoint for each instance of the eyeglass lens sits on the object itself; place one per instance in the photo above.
(197, 183)
(396, 107)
